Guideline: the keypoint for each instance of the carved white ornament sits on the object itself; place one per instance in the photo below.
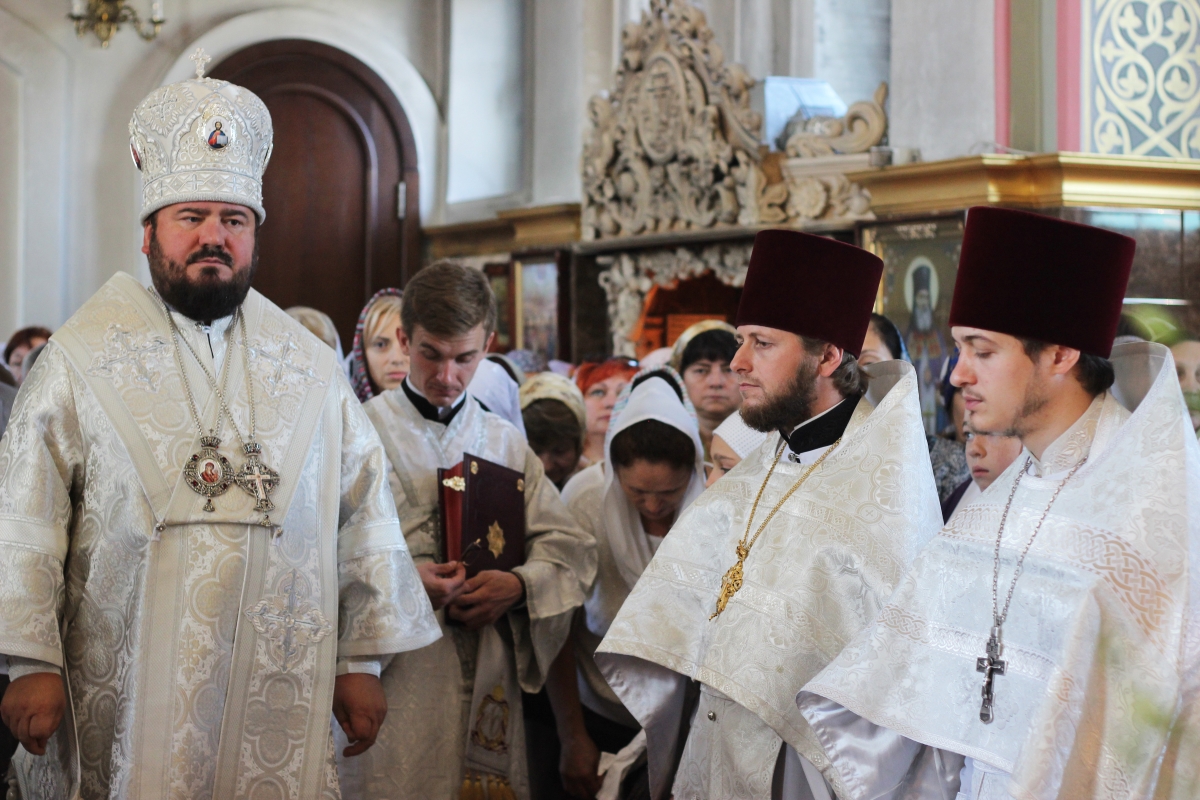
(632, 275)
(676, 146)
(1144, 77)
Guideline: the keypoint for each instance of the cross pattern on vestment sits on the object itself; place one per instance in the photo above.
(122, 350)
(289, 623)
(285, 370)
(990, 665)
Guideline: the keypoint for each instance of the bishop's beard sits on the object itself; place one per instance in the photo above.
(790, 407)
(207, 298)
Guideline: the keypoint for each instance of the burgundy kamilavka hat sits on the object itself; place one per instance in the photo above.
(812, 286)
(1037, 277)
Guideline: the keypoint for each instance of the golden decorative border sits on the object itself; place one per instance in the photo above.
(1041, 181)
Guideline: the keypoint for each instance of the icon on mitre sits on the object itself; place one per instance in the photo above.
(216, 131)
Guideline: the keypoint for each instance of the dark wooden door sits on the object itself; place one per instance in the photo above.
(343, 146)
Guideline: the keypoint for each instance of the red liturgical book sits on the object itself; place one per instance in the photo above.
(482, 510)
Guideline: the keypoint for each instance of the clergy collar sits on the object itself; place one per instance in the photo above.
(1074, 445)
(427, 409)
(822, 430)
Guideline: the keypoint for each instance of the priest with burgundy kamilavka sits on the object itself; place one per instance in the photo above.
(768, 574)
(1046, 643)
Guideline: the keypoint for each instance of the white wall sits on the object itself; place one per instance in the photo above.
(69, 194)
(943, 83)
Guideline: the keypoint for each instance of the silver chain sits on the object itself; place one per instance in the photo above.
(997, 615)
(246, 360)
(176, 338)
(222, 406)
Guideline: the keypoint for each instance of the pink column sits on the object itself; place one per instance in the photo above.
(1070, 65)
(1003, 57)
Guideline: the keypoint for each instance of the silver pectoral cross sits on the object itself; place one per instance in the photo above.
(257, 479)
(990, 665)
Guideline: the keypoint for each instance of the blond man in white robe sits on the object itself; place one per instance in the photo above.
(1086, 684)
(455, 720)
(180, 613)
(771, 571)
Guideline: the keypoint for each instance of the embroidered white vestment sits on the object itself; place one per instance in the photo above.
(199, 650)
(1100, 697)
(819, 572)
(437, 697)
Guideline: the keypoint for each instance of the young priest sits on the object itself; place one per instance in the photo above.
(771, 571)
(454, 717)
(1046, 643)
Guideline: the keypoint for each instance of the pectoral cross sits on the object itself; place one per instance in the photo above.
(257, 479)
(731, 582)
(990, 665)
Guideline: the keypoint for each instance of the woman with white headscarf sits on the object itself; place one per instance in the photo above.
(652, 470)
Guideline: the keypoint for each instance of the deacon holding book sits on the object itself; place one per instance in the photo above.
(201, 554)
(1046, 643)
(769, 573)
(455, 724)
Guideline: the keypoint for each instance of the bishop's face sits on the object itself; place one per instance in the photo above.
(1002, 387)
(202, 256)
(441, 367)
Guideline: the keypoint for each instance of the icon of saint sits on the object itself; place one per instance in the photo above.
(217, 139)
(209, 475)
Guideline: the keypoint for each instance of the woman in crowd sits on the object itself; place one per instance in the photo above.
(376, 361)
(732, 441)
(601, 383)
(884, 343)
(651, 472)
(18, 347)
(702, 355)
(555, 423)
(319, 324)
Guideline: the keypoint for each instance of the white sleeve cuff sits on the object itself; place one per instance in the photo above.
(370, 665)
(19, 667)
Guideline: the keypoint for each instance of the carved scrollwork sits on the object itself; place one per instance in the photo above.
(631, 276)
(668, 149)
(863, 127)
(676, 146)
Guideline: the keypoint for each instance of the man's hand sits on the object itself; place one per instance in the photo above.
(443, 582)
(486, 597)
(33, 708)
(578, 766)
(359, 706)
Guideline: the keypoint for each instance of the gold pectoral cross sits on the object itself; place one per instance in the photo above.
(731, 581)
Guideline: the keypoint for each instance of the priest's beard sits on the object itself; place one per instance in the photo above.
(1035, 400)
(791, 406)
(206, 298)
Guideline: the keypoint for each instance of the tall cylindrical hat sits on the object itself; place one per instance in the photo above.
(812, 286)
(1037, 277)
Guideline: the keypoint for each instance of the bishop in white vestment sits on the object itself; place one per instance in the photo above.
(196, 596)
(455, 721)
(770, 572)
(1086, 683)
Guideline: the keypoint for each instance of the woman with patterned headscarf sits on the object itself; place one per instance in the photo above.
(376, 361)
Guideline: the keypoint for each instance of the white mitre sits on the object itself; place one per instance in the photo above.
(201, 140)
